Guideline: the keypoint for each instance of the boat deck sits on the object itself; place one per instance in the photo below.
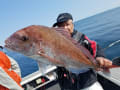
(114, 75)
(109, 81)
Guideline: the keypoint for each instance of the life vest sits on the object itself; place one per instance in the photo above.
(8, 78)
(92, 45)
(85, 41)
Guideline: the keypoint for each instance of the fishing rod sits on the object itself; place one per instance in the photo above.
(112, 44)
(116, 60)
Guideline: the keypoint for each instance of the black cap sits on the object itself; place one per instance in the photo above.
(1, 47)
(62, 18)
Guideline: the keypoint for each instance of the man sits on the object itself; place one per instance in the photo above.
(80, 79)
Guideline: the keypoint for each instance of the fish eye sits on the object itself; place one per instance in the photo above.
(24, 38)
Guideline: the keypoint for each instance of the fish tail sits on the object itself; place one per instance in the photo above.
(114, 66)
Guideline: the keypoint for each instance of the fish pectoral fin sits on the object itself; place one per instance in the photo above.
(51, 59)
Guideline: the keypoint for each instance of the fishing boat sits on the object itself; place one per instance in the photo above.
(48, 81)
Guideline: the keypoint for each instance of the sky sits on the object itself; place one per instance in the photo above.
(17, 14)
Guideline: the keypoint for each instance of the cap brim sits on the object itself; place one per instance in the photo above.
(55, 24)
(64, 20)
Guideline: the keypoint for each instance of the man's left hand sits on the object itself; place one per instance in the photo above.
(103, 62)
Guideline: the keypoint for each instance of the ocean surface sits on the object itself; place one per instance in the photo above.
(104, 28)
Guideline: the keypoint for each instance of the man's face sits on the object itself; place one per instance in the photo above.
(67, 25)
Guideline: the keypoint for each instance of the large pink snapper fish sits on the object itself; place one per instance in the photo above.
(50, 46)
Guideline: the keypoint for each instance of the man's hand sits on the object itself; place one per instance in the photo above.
(104, 63)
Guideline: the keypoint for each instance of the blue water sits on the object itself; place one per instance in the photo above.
(104, 28)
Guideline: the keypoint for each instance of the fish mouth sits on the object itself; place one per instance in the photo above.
(7, 44)
(13, 49)
(9, 48)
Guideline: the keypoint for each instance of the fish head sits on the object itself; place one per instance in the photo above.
(28, 42)
(19, 42)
